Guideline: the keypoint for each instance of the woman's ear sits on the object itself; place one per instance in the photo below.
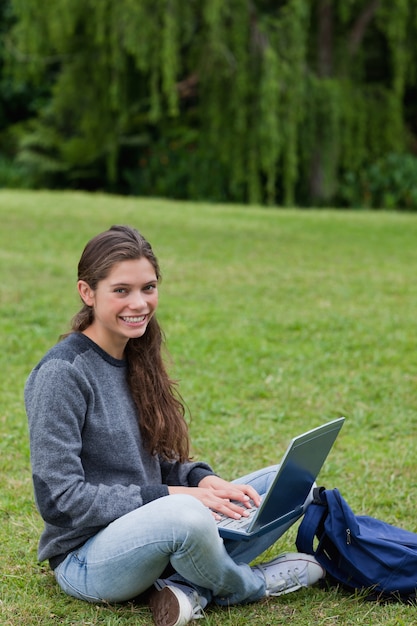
(86, 293)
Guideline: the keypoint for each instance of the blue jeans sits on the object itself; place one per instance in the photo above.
(125, 558)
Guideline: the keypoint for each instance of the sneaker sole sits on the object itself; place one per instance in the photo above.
(165, 607)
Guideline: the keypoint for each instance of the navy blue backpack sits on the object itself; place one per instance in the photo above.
(358, 551)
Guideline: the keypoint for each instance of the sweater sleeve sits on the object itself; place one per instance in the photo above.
(57, 398)
(184, 474)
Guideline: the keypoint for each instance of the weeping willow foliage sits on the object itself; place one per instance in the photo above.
(276, 107)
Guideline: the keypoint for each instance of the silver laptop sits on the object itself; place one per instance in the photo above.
(284, 502)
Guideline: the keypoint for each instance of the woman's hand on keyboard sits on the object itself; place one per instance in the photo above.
(223, 498)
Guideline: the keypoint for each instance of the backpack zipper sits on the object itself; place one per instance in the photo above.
(348, 537)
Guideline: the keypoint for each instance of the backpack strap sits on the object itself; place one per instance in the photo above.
(312, 523)
(319, 496)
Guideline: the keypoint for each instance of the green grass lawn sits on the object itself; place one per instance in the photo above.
(276, 320)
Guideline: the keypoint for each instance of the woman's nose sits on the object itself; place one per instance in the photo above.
(137, 300)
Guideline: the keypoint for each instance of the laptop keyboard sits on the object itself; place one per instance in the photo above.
(237, 524)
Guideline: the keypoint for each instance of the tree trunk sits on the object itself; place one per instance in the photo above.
(324, 70)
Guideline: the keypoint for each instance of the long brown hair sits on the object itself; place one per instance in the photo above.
(160, 408)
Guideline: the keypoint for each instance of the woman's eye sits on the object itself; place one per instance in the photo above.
(120, 290)
(150, 287)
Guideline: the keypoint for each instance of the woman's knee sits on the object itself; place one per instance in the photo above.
(189, 509)
(192, 517)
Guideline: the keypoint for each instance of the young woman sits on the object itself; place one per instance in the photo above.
(121, 500)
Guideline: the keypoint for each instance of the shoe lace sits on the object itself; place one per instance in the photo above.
(285, 580)
(293, 577)
(194, 598)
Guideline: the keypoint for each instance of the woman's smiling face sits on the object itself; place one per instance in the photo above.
(123, 303)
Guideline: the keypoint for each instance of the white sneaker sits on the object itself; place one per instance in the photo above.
(173, 604)
(290, 571)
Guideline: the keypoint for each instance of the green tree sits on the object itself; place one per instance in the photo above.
(361, 64)
(246, 100)
(17, 103)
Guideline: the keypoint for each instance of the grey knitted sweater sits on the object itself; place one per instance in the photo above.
(88, 461)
